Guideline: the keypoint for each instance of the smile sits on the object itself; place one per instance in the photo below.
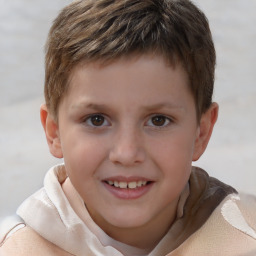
(125, 185)
(128, 189)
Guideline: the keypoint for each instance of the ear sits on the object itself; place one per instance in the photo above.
(205, 128)
(51, 131)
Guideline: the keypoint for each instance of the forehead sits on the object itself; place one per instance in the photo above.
(133, 66)
(129, 61)
(146, 80)
(128, 58)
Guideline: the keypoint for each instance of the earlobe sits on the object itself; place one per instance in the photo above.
(51, 132)
(205, 129)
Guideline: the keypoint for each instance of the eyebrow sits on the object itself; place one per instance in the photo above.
(88, 105)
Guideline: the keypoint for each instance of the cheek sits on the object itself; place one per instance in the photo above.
(174, 149)
(82, 155)
(174, 158)
(82, 162)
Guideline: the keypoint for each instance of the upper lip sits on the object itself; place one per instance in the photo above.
(127, 179)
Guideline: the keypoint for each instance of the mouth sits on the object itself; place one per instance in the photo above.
(129, 189)
(127, 185)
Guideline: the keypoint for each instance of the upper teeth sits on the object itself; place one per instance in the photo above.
(123, 184)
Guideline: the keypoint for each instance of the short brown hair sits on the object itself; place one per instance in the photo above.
(104, 30)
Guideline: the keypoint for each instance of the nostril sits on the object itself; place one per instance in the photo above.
(127, 156)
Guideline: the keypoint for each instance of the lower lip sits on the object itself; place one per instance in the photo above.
(127, 193)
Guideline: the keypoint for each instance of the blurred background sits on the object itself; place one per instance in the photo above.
(24, 156)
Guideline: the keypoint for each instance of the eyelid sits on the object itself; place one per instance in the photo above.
(88, 117)
(169, 119)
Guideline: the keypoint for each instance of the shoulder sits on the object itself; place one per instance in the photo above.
(26, 242)
(239, 211)
(229, 231)
(247, 203)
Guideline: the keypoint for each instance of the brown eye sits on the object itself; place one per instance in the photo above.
(96, 120)
(159, 121)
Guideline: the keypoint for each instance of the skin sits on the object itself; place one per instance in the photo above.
(132, 119)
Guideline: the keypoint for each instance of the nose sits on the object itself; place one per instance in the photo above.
(127, 149)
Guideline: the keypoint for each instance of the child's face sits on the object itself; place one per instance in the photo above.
(129, 123)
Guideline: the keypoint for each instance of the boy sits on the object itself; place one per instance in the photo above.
(128, 92)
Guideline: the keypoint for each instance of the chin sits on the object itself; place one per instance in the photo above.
(127, 220)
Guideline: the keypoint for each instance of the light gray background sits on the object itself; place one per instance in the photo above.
(24, 156)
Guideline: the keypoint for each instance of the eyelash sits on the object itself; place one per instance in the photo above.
(167, 121)
(89, 122)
